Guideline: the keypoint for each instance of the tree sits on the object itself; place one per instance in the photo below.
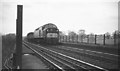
(61, 33)
(116, 34)
(72, 33)
(107, 35)
(82, 33)
(91, 34)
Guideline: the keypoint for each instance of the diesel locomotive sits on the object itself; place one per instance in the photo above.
(30, 37)
(48, 33)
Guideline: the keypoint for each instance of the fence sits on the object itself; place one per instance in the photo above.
(94, 39)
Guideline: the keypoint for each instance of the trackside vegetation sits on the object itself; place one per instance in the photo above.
(8, 44)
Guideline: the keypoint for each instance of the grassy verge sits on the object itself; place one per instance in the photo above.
(8, 42)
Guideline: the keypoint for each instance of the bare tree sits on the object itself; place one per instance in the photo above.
(72, 33)
(61, 33)
(107, 34)
(82, 33)
(91, 34)
(116, 34)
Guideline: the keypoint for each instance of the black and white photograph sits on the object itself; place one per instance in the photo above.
(59, 35)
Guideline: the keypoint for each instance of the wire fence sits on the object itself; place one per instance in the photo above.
(94, 39)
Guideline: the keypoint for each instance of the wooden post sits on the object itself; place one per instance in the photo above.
(104, 39)
(18, 55)
(95, 38)
(115, 38)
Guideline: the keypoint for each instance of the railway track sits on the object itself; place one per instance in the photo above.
(96, 59)
(97, 54)
(61, 61)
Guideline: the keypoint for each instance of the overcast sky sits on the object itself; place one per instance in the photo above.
(94, 16)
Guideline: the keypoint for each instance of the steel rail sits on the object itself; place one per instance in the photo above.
(70, 62)
(59, 61)
(62, 61)
(93, 51)
(88, 52)
(44, 57)
(72, 58)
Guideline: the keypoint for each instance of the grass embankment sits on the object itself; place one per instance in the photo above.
(8, 42)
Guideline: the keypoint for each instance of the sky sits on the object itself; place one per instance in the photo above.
(94, 16)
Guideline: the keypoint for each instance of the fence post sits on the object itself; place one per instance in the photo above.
(115, 38)
(95, 38)
(104, 39)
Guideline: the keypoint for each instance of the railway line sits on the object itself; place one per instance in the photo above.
(62, 61)
(111, 50)
(105, 61)
(108, 56)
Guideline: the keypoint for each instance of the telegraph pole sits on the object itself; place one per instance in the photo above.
(18, 56)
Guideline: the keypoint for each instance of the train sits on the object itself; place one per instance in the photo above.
(48, 33)
(30, 37)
